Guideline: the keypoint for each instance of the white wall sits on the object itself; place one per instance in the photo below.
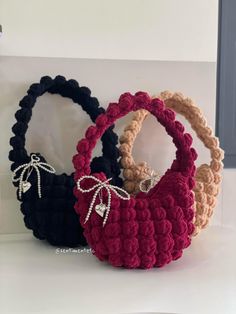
(184, 30)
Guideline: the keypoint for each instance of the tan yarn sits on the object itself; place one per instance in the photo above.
(208, 177)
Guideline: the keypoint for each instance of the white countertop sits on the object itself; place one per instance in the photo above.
(34, 278)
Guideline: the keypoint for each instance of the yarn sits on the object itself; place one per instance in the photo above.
(150, 229)
(208, 177)
(51, 216)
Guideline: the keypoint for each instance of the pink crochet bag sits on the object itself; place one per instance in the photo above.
(149, 229)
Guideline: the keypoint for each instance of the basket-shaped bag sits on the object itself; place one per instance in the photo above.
(149, 229)
(208, 177)
(47, 200)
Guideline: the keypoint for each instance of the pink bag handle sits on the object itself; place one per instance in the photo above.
(185, 155)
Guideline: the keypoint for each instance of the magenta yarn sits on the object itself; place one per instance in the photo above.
(151, 229)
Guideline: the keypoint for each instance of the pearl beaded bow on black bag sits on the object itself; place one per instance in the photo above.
(47, 200)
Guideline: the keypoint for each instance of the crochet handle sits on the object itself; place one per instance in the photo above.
(191, 112)
(79, 95)
(185, 155)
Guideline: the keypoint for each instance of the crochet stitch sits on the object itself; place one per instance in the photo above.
(49, 211)
(208, 177)
(151, 229)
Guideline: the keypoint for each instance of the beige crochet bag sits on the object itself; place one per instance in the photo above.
(208, 177)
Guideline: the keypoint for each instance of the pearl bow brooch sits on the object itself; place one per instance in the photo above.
(101, 208)
(147, 184)
(34, 164)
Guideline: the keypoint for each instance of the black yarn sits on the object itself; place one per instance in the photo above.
(52, 217)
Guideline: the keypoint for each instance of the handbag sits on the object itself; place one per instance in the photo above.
(143, 231)
(208, 177)
(47, 200)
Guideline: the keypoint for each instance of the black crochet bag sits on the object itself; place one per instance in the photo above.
(47, 200)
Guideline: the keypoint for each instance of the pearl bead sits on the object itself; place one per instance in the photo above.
(98, 187)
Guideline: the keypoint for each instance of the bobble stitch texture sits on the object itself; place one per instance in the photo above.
(149, 230)
(208, 177)
(52, 217)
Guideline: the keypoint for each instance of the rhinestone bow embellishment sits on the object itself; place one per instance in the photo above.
(102, 209)
(26, 170)
(147, 184)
